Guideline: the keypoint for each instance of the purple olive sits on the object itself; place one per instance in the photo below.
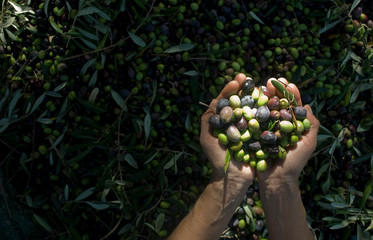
(247, 100)
(248, 86)
(271, 149)
(223, 102)
(262, 114)
(300, 113)
(255, 146)
(274, 103)
(241, 124)
(215, 122)
(233, 134)
(285, 115)
(226, 114)
(268, 137)
(274, 115)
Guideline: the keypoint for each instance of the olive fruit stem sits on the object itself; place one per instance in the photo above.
(204, 104)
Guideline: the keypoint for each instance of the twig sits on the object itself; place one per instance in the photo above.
(6, 202)
(204, 104)
(114, 228)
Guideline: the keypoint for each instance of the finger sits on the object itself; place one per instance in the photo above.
(233, 86)
(284, 82)
(315, 123)
(271, 88)
(295, 91)
(205, 129)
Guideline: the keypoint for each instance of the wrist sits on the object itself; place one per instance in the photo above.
(230, 185)
(270, 188)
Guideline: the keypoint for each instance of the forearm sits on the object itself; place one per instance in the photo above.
(212, 211)
(284, 211)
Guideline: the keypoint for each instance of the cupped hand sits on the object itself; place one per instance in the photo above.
(214, 150)
(289, 169)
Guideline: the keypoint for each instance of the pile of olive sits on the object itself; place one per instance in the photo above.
(256, 127)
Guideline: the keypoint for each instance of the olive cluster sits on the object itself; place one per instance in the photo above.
(256, 126)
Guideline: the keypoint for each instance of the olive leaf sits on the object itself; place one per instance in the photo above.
(253, 15)
(136, 39)
(227, 160)
(180, 48)
(280, 87)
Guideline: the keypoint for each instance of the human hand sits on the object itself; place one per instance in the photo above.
(289, 169)
(214, 150)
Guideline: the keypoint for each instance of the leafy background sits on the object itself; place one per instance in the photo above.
(99, 111)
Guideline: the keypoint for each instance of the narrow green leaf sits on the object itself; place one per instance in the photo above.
(323, 137)
(56, 27)
(42, 222)
(339, 205)
(343, 224)
(37, 103)
(331, 219)
(59, 139)
(59, 87)
(5, 97)
(51, 160)
(150, 226)
(355, 94)
(88, 192)
(322, 170)
(85, 67)
(370, 227)
(180, 48)
(98, 206)
(159, 222)
(102, 42)
(28, 108)
(151, 158)
(93, 95)
(169, 164)
(17, 7)
(188, 122)
(93, 79)
(66, 192)
(348, 57)
(122, 7)
(154, 94)
(326, 185)
(5, 125)
(130, 160)
(248, 212)
(253, 15)
(29, 201)
(367, 192)
(128, 227)
(62, 111)
(12, 104)
(8, 22)
(89, 44)
(88, 34)
(147, 124)
(88, 11)
(137, 40)
(329, 26)
(45, 120)
(118, 98)
(227, 159)
(354, 5)
(192, 73)
(46, 4)
(53, 94)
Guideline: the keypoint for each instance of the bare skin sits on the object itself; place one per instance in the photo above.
(279, 190)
